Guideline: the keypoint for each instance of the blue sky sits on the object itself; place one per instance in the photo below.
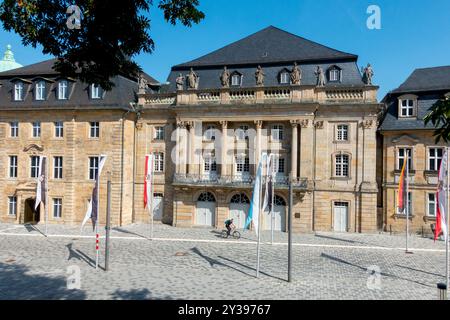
(414, 33)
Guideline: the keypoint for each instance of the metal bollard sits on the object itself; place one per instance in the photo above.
(442, 291)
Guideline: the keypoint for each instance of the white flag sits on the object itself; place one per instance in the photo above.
(93, 207)
(269, 183)
(255, 205)
(442, 195)
(41, 189)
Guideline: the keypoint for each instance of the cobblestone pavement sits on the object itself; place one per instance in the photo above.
(198, 264)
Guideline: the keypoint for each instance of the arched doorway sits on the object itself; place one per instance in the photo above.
(205, 211)
(30, 215)
(239, 206)
(279, 213)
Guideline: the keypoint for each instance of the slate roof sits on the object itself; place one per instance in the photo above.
(426, 79)
(124, 91)
(270, 45)
(430, 85)
(46, 68)
(275, 50)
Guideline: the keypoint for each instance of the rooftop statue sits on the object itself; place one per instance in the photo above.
(143, 83)
(296, 75)
(259, 75)
(192, 80)
(180, 82)
(225, 78)
(368, 74)
(320, 76)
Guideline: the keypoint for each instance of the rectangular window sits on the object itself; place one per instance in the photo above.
(432, 205)
(342, 165)
(36, 129)
(242, 165)
(210, 133)
(210, 165)
(13, 166)
(342, 132)
(18, 91)
(334, 75)
(12, 206)
(159, 133)
(236, 80)
(34, 167)
(242, 133)
(285, 78)
(409, 205)
(14, 129)
(94, 131)
(93, 167)
(62, 90)
(59, 129)
(277, 132)
(57, 208)
(159, 161)
(435, 158)
(279, 165)
(402, 154)
(40, 90)
(95, 91)
(58, 167)
(407, 108)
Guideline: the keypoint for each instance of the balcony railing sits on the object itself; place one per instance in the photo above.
(234, 181)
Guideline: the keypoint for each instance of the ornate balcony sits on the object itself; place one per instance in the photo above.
(234, 181)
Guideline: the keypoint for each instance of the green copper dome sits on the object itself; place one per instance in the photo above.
(8, 62)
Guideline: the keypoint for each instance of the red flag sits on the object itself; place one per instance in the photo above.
(441, 199)
(148, 179)
(402, 196)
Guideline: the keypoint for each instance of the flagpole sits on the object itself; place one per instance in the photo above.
(151, 192)
(258, 249)
(407, 201)
(447, 222)
(273, 196)
(98, 216)
(46, 196)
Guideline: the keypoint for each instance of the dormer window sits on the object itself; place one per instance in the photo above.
(236, 79)
(407, 106)
(63, 86)
(285, 77)
(96, 91)
(18, 91)
(334, 74)
(40, 90)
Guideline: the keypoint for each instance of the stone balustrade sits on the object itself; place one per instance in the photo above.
(293, 94)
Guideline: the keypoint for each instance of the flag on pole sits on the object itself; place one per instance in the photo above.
(148, 179)
(255, 205)
(92, 211)
(41, 190)
(402, 193)
(269, 179)
(442, 194)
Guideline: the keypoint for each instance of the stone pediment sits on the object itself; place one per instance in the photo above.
(26, 186)
(33, 147)
(406, 137)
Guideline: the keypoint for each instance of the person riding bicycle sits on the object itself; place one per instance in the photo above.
(230, 226)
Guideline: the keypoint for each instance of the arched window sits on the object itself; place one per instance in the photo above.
(284, 76)
(279, 201)
(236, 79)
(334, 74)
(240, 198)
(206, 197)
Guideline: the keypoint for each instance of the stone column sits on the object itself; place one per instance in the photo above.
(224, 149)
(181, 147)
(258, 150)
(306, 149)
(294, 151)
(192, 160)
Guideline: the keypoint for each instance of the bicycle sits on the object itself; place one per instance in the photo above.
(235, 234)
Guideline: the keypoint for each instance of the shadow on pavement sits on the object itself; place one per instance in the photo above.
(137, 294)
(365, 270)
(250, 268)
(17, 284)
(412, 269)
(128, 232)
(79, 255)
